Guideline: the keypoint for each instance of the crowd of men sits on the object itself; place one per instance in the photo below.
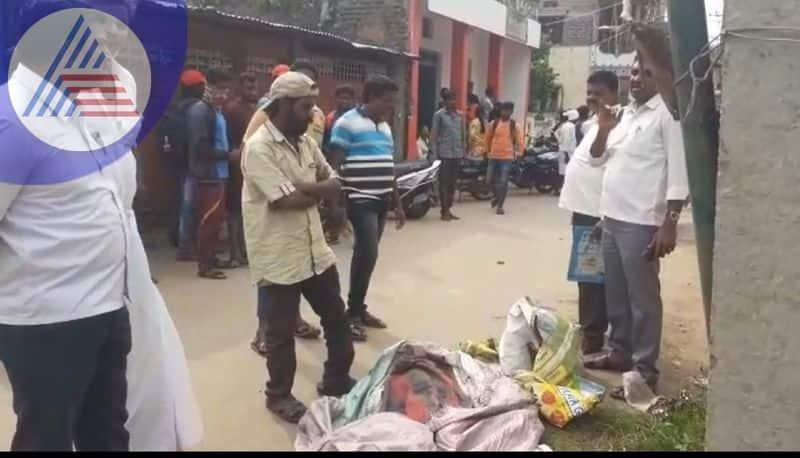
(295, 163)
(628, 179)
(262, 170)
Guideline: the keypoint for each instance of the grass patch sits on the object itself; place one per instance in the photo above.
(613, 426)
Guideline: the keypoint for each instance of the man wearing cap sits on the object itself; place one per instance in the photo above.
(316, 130)
(208, 168)
(285, 177)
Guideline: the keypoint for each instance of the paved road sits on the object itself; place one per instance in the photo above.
(441, 282)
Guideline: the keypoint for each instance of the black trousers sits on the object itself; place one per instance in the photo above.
(592, 312)
(448, 179)
(68, 382)
(368, 218)
(279, 307)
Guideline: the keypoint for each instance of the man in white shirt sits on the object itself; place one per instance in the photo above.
(565, 135)
(644, 190)
(93, 359)
(583, 185)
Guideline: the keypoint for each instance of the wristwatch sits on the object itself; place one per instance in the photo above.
(674, 216)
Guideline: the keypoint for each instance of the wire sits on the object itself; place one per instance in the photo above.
(696, 81)
(621, 30)
(581, 16)
(773, 39)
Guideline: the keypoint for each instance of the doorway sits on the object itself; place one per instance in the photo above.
(428, 95)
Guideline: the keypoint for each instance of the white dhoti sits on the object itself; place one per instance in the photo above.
(162, 408)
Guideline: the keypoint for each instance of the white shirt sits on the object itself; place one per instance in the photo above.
(566, 137)
(422, 148)
(583, 182)
(63, 246)
(646, 165)
(566, 144)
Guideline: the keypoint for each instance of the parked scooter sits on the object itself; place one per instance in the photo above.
(415, 182)
(472, 178)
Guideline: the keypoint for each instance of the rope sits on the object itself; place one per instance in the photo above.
(581, 16)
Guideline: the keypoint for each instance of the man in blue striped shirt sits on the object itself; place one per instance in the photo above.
(361, 141)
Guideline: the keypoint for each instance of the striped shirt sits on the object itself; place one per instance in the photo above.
(368, 168)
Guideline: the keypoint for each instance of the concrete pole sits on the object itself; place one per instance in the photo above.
(688, 35)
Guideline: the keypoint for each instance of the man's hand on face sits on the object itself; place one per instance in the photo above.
(606, 119)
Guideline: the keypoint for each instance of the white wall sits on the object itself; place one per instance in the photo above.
(572, 65)
(487, 15)
(515, 75)
(479, 55)
(442, 42)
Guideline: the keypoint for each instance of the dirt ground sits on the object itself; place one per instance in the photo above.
(435, 281)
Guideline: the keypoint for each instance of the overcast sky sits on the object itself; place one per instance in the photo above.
(714, 11)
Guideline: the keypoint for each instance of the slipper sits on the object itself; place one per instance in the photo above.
(230, 264)
(306, 331)
(357, 333)
(212, 274)
(369, 320)
(260, 347)
(338, 390)
(287, 409)
(608, 362)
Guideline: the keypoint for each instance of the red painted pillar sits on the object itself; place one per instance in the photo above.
(414, 43)
(459, 71)
(495, 80)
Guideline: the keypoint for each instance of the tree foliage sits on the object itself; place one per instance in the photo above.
(525, 8)
(544, 81)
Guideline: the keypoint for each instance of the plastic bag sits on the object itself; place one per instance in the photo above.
(560, 404)
(484, 351)
(553, 373)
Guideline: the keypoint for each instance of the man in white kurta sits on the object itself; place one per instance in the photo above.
(93, 358)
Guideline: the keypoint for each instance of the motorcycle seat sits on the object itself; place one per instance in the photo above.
(404, 168)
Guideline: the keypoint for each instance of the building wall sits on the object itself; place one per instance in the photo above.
(479, 56)
(572, 65)
(755, 362)
(378, 22)
(516, 75)
(442, 43)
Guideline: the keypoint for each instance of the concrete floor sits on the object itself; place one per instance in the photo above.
(435, 281)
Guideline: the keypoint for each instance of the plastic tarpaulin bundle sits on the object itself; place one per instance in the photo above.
(541, 351)
(463, 403)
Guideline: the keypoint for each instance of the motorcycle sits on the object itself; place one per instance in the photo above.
(538, 169)
(415, 182)
(472, 178)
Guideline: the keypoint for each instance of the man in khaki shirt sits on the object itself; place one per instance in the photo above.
(316, 131)
(285, 176)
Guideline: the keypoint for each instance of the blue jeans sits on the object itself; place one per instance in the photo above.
(368, 219)
(497, 177)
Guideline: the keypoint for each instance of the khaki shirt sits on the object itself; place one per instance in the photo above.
(285, 247)
(316, 128)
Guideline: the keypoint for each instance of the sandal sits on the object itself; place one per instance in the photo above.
(212, 274)
(230, 264)
(337, 390)
(371, 321)
(357, 333)
(608, 362)
(260, 347)
(306, 331)
(287, 409)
